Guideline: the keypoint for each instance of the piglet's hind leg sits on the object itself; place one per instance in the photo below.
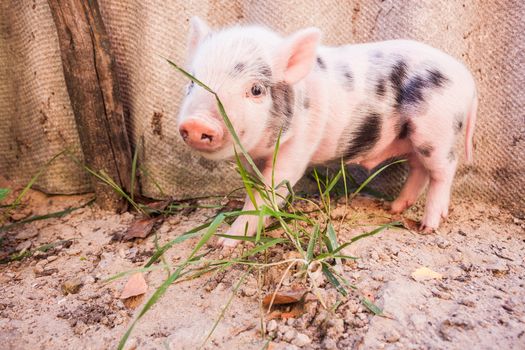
(414, 185)
(441, 171)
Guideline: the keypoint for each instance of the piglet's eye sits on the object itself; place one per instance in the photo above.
(257, 90)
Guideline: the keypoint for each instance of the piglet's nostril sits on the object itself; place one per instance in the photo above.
(207, 137)
(184, 134)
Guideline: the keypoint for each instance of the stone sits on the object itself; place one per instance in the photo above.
(301, 340)
(289, 335)
(27, 233)
(392, 336)
(271, 326)
(24, 246)
(71, 286)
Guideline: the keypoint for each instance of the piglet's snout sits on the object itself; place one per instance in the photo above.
(202, 135)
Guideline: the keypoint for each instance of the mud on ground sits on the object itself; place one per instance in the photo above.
(58, 298)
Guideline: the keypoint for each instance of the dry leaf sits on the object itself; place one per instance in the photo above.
(159, 205)
(140, 228)
(284, 297)
(133, 302)
(136, 285)
(425, 274)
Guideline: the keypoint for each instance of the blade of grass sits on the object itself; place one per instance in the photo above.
(3, 193)
(35, 177)
(225, 117)
(223, 311)
(373, 176)
(57, 214)
(173, 277)
(376, 310)
(311, 243)
(333, 280)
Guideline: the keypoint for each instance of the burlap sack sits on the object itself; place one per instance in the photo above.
(36, 120)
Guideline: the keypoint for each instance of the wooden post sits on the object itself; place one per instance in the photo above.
(94, 93)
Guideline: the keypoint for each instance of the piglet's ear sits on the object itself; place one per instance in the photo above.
(296, 56)
(198, 31)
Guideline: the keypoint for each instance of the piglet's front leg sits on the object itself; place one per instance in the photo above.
(288, 166)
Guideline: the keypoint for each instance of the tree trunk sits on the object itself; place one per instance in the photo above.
(94, 93)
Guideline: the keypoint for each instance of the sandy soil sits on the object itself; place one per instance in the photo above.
(479, 303)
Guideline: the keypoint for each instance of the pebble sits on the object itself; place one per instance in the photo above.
(378, 276)
(249, 291)
(71, 286)
(289, 335)
(72, 252)
(51, 258)
(131, 344)
(271, 326)
(441, 242)
(39, 267)
(467, 302)
(392, 336)
(89, 279)
(27, 233)
(23, 246)
(329, 344)
(301, 340)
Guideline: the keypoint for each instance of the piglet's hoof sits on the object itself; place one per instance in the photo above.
(426, 230)
(227, 243)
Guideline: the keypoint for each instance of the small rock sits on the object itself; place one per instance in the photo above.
(467, 302)
(498, 268)
(392, 336)
(23, 246)
(454, 272)
(338, 212)
(51, 258)
(271, 326)
(89, 279)
(329, 344)
(39, 267)
(301, 340)
(72, 252)
(71, 286)
(441, 242)
(131, 344)
(27, 233)
(249, 291)
(378, 276)
(289, 335)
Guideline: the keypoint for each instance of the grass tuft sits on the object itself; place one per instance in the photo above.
(313, 239)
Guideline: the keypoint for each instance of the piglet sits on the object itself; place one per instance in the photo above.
(365, 103)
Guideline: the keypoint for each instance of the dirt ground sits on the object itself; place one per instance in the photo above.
(478, 303)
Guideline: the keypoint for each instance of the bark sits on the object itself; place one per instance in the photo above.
(89, 71)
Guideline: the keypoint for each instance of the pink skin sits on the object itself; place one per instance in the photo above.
(329, 116)
(202, 135)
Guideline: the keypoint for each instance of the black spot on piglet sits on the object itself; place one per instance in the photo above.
(406, 130)
(321, 63)
(365, 137)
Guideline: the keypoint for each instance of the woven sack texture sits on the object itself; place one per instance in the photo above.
(36, 120)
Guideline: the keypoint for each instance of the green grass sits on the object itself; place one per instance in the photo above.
(316, 242)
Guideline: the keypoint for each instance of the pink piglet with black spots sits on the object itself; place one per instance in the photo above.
(365, 103)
